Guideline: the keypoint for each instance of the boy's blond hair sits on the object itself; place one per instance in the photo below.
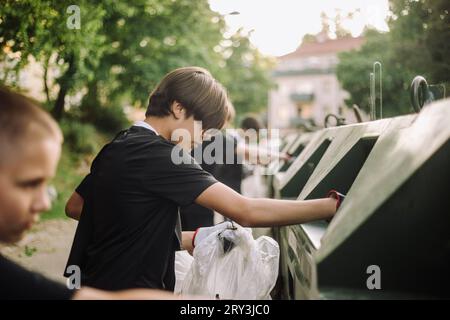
(20, 120)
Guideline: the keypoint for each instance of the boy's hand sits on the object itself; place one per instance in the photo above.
(202, 233)
(285, 156)
(336, 195)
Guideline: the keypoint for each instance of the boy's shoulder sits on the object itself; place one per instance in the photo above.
(145, 136)
(143, 145)
(137, 142)
(142, 140)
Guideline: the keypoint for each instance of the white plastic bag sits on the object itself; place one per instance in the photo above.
(230, 264)
(183, 262)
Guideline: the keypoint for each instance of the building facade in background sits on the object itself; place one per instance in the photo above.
(307, 88)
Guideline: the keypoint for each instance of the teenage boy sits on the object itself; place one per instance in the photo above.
(135, 189)
(30, 146)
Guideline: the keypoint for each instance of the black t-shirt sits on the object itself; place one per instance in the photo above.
(229, 174)
(195, 216)
(83, 187)
(130, 211)
(17, 283)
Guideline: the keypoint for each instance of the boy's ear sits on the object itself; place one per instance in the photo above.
(177, 109)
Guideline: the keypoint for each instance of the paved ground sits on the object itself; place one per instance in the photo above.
(44, 248)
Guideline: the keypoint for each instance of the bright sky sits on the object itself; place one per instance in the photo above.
(279, 25)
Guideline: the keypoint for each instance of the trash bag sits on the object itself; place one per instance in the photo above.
(229, 264)
(183, 262)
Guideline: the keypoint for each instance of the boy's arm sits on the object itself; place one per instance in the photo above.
(74, 206)
(250, 212)
(187, 244)
(257, 155)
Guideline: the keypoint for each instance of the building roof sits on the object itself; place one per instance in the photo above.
(325, 47)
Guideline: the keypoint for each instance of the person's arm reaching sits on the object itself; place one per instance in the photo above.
(250, 212)
(261, 156)
(187, 237)
(74, 206)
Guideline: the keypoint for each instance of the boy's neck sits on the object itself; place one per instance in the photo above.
(160, 125)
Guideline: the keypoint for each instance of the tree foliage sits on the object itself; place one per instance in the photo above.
(39, 29)
(122, 50)
(417, 43)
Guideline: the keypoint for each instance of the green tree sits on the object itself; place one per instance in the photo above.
(123, 49)
(417, 43)
(166, 35)
(146, 39)
(355, 66)
(39, 29)
(247, 74)
(420, 32)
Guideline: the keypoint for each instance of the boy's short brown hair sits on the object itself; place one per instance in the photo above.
(197, 91)
(251, 122)
(18, 117)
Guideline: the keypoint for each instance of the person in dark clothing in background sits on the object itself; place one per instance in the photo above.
(194, 216)
(251, 122)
